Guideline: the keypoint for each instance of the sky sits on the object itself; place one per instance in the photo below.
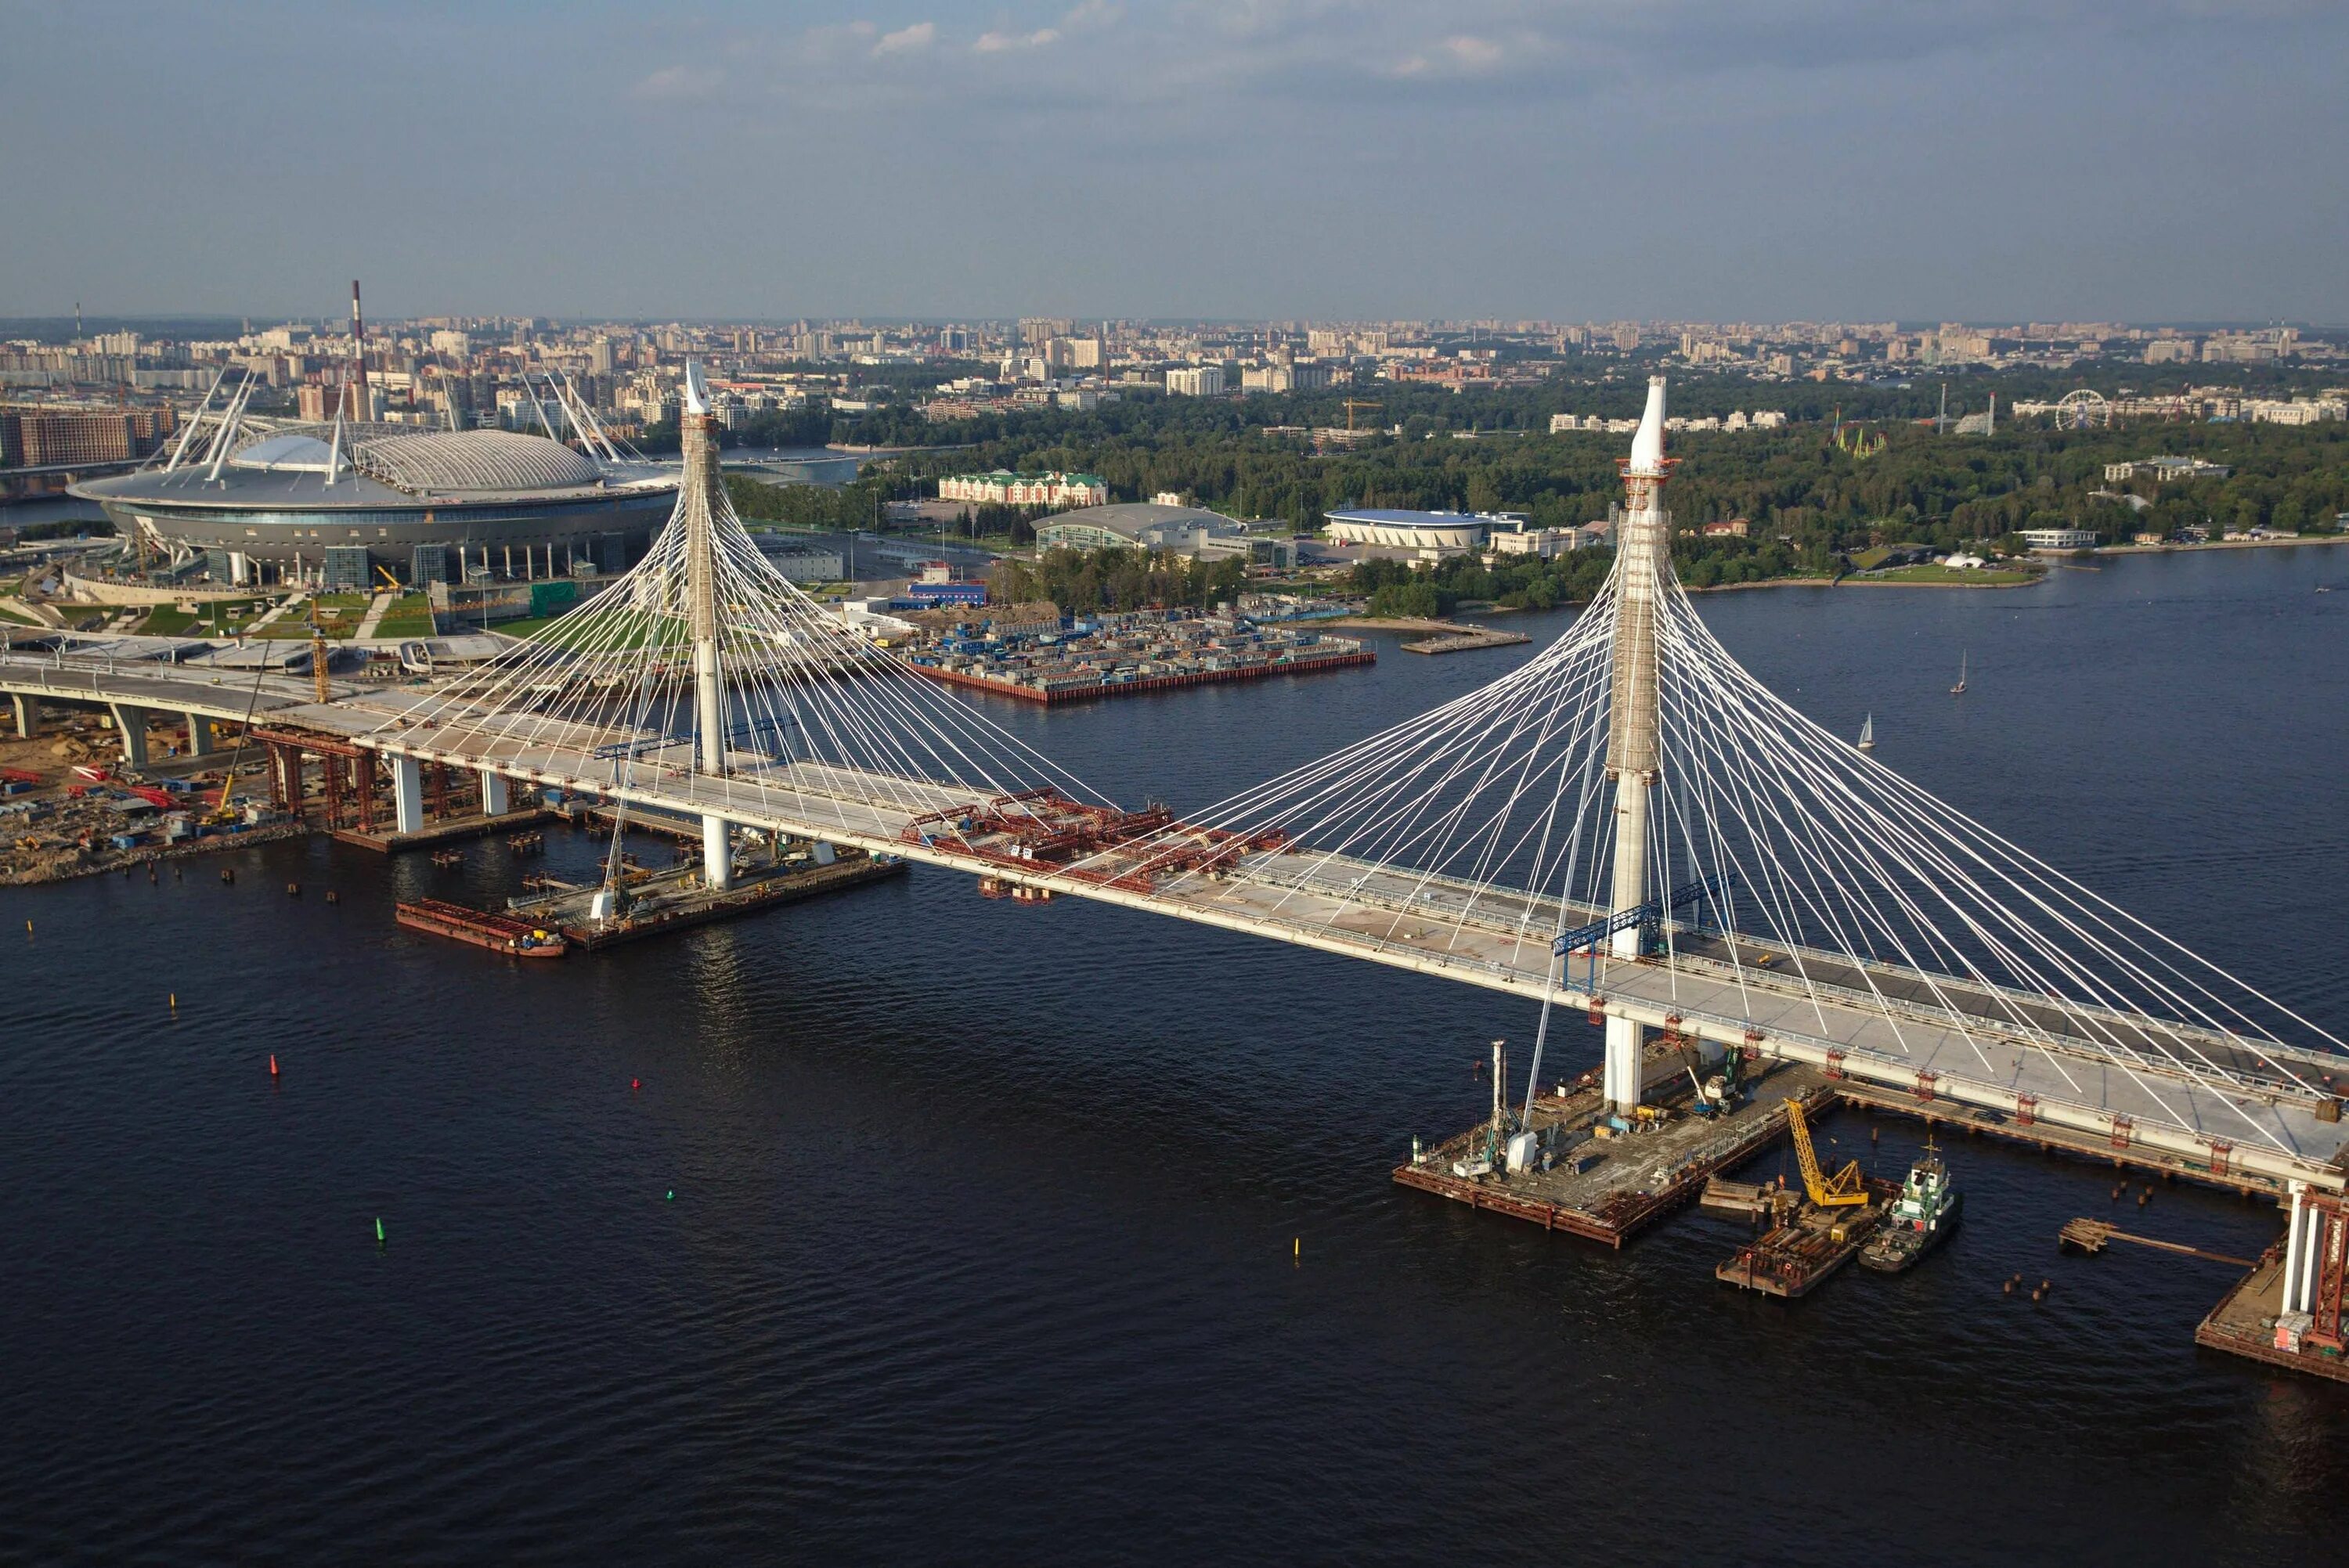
(1242, 160)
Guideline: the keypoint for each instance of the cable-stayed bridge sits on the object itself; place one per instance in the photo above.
(1629, 827)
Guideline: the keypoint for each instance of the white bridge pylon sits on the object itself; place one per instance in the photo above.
(1627, 823)
(705, 664)
(1669, 843)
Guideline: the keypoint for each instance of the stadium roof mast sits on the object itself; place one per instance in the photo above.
(359, 351)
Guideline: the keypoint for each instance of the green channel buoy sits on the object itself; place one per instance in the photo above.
(672, 1195)
(379, 1231)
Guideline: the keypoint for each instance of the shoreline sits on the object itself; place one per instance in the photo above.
(149, 854)
(2207, 544)
(2033, 581)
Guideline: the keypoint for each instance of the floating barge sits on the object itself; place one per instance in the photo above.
(1465, 640)
(2245, 1322)
(449, 831)
(505, 934)
(1091, 688)
(1798, 1254)
(1609, 1188)
(1126, 655)
(674, 898)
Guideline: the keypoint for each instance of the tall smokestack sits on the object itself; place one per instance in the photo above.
(358, 349)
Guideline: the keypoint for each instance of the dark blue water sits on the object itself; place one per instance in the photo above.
(1004, 1234)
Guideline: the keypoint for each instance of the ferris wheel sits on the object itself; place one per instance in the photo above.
(2082, 409)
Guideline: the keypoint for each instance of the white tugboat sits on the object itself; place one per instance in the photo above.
(1925, 1212)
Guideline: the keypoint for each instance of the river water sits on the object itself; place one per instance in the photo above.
(950, 1229)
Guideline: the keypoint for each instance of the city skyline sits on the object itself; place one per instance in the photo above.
(1244, 161)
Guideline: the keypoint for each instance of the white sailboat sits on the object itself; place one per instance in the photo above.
(1868, 733)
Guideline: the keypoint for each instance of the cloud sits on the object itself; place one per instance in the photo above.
(1473, 54)
(907, 40)
(679, 82)
(1002, 43)
(831, 41)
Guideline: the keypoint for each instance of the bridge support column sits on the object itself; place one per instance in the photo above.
(2292, 1226)
(28, 716)
(716, 854)
(1625, 1040)
(407, 794)
(201, 740)
(496, 798)
(130, 723)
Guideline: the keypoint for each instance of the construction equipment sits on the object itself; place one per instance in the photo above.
(1846, 1187)
(2092, 1236)
(319, 680)
(223, 812)
(1353, 403)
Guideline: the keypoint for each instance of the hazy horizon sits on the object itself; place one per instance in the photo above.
(2158, 162)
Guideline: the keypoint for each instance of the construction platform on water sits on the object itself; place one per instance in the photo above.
(1466, 639)
(2249, 1321)
(1571, 1163)
(1594, 1178)
(1806, 1243)
(446, 831)
(651, 903)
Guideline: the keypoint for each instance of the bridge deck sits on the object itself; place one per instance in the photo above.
(1870, 1021)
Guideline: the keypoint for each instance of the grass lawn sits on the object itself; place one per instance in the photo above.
(399, 625)
(1960, 577)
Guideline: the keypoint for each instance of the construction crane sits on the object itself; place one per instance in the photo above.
(324, 687)
(1842, 1190)
(223, 812)
(1350, 405)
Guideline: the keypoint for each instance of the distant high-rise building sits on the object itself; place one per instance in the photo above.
(1196, 381)
(33, 437)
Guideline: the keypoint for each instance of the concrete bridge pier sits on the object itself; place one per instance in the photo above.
(28, 714)
(497, 799)
(407, 794)
(1625, 1040)
(716, 854)
(131, 724)
(202, 739)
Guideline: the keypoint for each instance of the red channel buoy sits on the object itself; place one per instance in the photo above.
(273, 1064)
(635, 1083)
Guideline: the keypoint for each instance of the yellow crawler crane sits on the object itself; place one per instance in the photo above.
(1843, 1188)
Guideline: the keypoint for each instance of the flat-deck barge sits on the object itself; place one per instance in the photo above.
(506, 934)
(1796, 1256)
(676, 898)
(1127, 654)
(1609, 1188)
(2244, 1323)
